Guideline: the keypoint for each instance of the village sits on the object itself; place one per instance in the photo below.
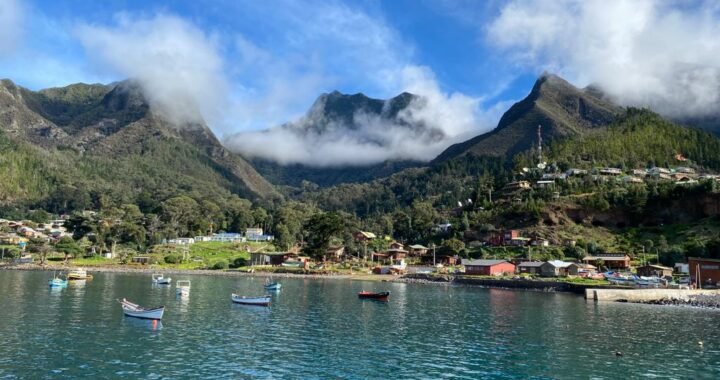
(393, 258)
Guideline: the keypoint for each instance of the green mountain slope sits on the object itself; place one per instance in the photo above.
(102, 142)
(560, 108)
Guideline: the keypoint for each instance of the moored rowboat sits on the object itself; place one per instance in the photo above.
(254, 301)
(380, 296)
(273, 286)
(182, 287)
(159, 279)
(79, 274)
(57, 283)
(134, 310)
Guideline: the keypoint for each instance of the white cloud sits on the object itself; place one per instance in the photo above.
(177, 64)
(420, 132)
(11, 20)
(642, 52)
(331, 45)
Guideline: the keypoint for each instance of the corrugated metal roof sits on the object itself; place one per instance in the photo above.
(526, 264)
(483, 263)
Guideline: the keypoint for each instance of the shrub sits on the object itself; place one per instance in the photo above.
(173, 259)
(239, 262)
(222, 264)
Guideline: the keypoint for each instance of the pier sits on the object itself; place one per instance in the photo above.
(647, 295)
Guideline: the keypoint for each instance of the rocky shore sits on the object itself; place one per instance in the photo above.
(701, 301)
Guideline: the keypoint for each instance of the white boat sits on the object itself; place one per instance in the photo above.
(255, 301)
(273, 286)
(159, 279)
(182, 287)
(78, 274)
(134, 310)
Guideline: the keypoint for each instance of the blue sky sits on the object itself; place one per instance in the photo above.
(250, 65)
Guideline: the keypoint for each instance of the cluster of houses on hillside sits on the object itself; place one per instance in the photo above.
(588, 267)
(251, 234)
(682, 175)
(19, 232)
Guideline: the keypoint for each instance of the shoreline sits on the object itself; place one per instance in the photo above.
(209, 272)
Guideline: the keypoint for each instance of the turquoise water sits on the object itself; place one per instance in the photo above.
(319, 329)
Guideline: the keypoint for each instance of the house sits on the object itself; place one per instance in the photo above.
(655, 171)
(181, 241)
(518, 241)
(363, 236)
(335, 252)
(418, 250)
(12, 239)
(249, 232)
(107, 255)
(396, 254)
(686, 181)
(396, 245)
(540, 242)
(488, 267)
(442, 227)
(267, 258)
(654, 270)
(639, 172)
(572, 172)
(609, 260)
(554, 176)
(545, 183)
(610, 171)
(682, 268)
(141, 260)
(685, 170)
(578, 269)
(554, 268)
(530, 267)
(514, 186)
(704, 272)
(228, 237)
(202, 238)
(632, 179)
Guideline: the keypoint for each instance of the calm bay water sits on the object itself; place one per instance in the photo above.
(319, 329)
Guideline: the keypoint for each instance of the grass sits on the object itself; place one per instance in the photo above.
(206, 254)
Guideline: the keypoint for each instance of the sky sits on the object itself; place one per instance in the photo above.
(248, 66)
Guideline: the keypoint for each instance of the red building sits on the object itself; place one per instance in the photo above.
(704, 272)
(488, 267)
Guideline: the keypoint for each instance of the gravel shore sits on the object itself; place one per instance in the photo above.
(701, 301)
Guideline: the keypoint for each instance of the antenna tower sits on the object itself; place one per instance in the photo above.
(539, 137)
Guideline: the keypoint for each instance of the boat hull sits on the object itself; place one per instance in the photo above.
(133, 310)
(252, 301)
(381, 296)
(273, 286)
(56, 283)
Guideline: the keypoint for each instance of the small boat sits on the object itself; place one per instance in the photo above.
(134, 310)
(159, 279)
(182, 287)
(79, 274)
(273, 286)
(254, 301)
(380, 296)
(57, 282)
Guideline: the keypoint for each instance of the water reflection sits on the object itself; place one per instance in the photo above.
(139, 323)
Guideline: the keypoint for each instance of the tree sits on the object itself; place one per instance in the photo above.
(455, 245)
(67, 246)
(39, 246)
(321, 228)
(179, 213)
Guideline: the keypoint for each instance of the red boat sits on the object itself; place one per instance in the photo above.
(381, 296)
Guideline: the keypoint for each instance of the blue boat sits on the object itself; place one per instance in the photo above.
(57, 282)
(273, 286)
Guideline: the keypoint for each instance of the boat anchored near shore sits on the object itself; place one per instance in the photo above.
(160, 279)
(182, 288)
(378, 296)
(134, 310)
(252, 301)
(78, 274)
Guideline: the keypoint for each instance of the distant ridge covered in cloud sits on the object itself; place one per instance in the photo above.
(657, 54)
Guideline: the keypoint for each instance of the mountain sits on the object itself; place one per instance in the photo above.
(559, 107)
(103, 140)
(336, 113)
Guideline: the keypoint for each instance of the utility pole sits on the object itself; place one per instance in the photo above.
(433, 247)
